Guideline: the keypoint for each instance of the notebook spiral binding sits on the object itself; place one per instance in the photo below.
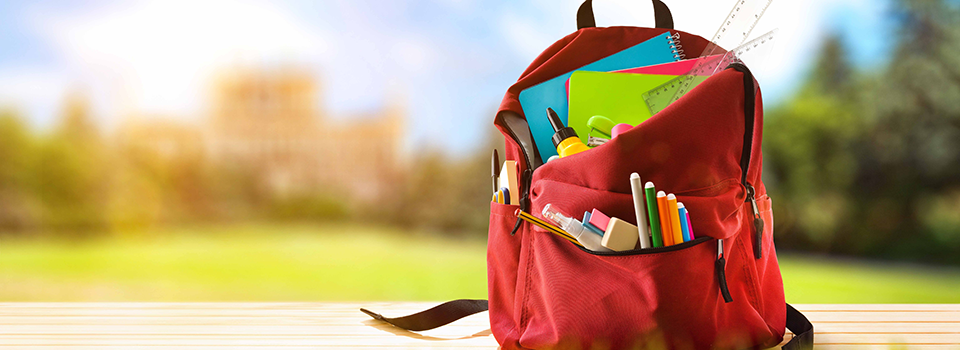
(675, 47)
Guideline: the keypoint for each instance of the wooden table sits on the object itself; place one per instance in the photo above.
(341, 325)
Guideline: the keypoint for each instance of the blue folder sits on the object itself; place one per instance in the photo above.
(553, 93)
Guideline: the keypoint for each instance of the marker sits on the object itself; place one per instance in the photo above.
(683, 222)
(674, 219)
(495, 175)
(636, 186)
(690, 226)
(550, 228)
(664, 219)
(653, 214)
(565, 139)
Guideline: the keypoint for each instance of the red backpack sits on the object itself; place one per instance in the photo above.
(721, 290)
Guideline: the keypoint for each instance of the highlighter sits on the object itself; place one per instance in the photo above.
(674, 219)
(664, 219)
(565, 139)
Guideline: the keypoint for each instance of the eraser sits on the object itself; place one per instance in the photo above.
(589, 226)
(599, 220)
(619, 235)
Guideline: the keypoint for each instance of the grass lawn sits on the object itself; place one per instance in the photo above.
(347, 262)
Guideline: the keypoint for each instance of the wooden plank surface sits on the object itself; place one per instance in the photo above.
(341, 325)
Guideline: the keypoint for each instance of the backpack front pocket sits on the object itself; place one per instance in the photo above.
(667, 297)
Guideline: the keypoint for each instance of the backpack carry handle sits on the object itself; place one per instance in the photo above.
(660, 13)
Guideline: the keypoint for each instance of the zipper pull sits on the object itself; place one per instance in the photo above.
(721, 266)
(525, 180)
(757, 222)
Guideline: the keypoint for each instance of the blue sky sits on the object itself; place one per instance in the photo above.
(447, 61)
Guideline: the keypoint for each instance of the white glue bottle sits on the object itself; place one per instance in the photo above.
(575, 228)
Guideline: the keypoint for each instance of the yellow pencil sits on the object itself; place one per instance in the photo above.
(546, 226)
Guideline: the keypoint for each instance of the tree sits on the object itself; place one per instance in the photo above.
(18, 207)
(809, 152)
(72, 172)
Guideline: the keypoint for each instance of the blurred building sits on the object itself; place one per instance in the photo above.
(271, 123)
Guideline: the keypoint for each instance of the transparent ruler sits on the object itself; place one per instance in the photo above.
(733, 32)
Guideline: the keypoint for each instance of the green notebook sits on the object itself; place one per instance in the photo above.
(616, 96)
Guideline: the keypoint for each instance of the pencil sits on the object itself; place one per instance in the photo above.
(546, 226)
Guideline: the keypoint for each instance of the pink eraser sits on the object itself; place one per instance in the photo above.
(598, 219)
(619, 129)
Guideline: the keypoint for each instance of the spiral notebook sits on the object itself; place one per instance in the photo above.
(552, 93)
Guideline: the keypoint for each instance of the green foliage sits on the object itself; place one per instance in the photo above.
(868, 163)
(18, 159)
(72, 172)
(448, 196)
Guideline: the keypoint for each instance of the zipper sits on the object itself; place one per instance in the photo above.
(757, 222)
(643, 251)
(749, 103)
(721, 266)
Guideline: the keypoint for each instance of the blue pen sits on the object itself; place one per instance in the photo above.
(684, 227)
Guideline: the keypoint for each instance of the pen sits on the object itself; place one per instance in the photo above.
(555, 230)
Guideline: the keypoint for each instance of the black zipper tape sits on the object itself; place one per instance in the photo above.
(749, 104)
(671, 248)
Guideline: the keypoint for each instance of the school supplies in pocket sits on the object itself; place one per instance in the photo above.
(719, 290)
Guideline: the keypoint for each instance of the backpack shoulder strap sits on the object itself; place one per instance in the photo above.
(436, 316)
(802, 330)
(456, 309)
